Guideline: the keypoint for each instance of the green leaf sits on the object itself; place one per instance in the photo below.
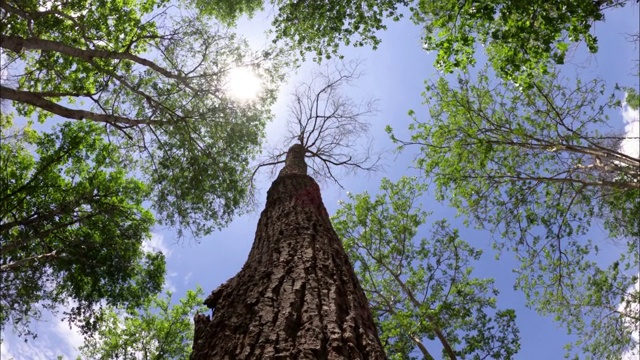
(421, 288)
(158, 329)
(532, 166)
(73, 226)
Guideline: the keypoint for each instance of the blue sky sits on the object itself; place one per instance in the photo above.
(395, 74)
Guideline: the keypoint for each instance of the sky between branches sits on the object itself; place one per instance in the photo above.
(394, 74)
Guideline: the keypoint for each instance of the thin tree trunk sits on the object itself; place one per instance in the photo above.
(297, 296)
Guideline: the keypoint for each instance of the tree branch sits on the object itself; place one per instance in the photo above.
(48, 105)
(18, 44)
(19, 263)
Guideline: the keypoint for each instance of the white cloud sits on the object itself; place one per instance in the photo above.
(71, 335)
(156, 243)
(631, 145)
(5, 354)
(631, 355)
(47, 346)
(188, 277)
(55, 337)
(168, 284)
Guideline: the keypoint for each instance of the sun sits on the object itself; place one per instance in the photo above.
(243, 84)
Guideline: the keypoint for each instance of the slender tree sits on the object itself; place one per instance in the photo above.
(297, 296)
(419, 282)
(539, 167)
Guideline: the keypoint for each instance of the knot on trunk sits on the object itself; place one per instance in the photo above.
(294, 163)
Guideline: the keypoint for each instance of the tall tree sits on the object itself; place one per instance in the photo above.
(154, 75)
(297, 296)
(157, 330)
(539, 167)
(421, 289)
(72, 225)
(519, 37)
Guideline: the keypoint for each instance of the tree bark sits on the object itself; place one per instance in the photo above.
(43, 103)
(297, 296)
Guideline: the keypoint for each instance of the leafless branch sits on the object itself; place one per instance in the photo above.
(330, 124)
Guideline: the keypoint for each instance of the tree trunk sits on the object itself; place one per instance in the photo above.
(297, 296)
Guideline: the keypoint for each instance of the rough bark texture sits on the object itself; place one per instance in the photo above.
(297, 296)
(294, 162)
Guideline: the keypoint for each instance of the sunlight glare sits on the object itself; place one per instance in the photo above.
(243, 84)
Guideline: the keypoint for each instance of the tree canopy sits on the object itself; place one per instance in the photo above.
(422, 289)
(156, 330)
(73, 225)
(154, 75)
(539, 167)
(111, 110)
(520, 38)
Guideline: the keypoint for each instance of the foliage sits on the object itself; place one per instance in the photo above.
(633, 98)
(72, 225)
(228, 11)
(539, 167)
(154, 331)
(422, 289)
(519, 37)
(321, 26)
(155, 75)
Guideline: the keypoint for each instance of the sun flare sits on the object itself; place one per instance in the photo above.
(243, 84)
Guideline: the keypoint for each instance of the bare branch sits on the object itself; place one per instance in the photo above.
(330, 124)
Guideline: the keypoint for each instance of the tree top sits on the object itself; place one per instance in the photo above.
(294, 162)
